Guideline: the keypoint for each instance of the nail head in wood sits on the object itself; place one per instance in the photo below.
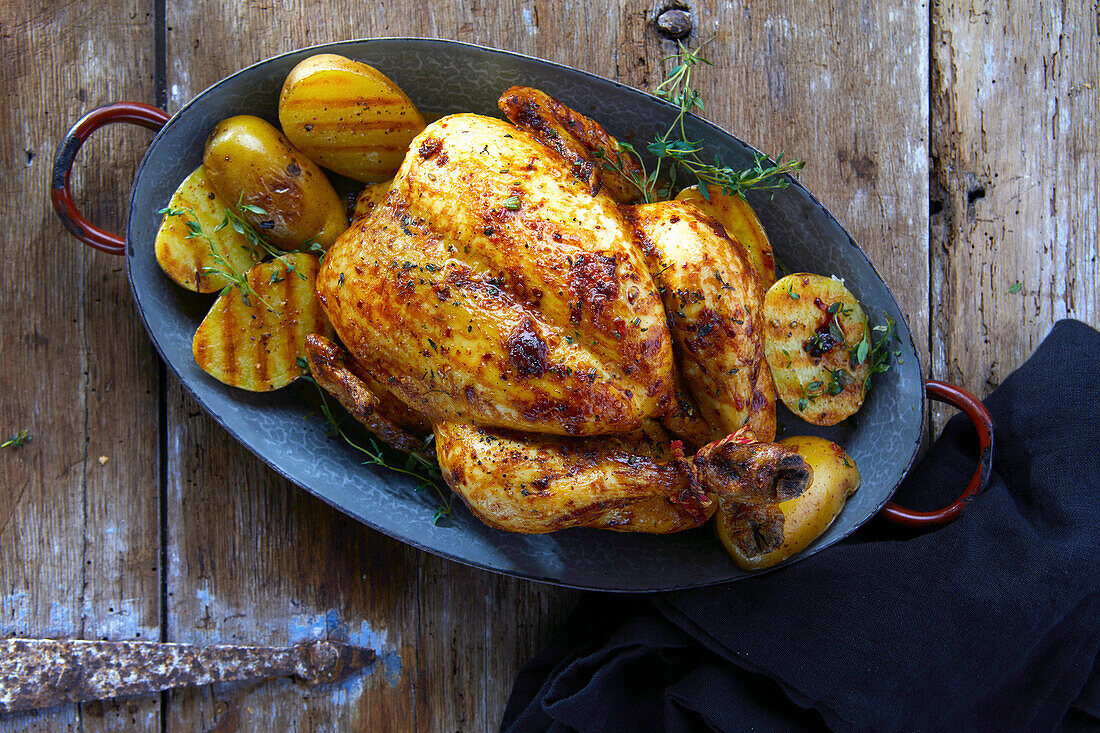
(674, 23)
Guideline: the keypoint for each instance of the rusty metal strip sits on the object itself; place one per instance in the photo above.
(40, 673)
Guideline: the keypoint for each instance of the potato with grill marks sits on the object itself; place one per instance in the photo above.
(188, 259)
(816, 341)
(348, 117)
(253, 338)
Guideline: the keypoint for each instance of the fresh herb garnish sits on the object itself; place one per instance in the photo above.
(258, 247)
(417, 465)
(1016, 288)
(878, 355)
(222, 266)
(17, 439)
(511, 203)
(679, 157)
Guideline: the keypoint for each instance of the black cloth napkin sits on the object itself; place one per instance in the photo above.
(989, 623)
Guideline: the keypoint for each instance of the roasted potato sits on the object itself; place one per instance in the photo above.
(740, 222)
(274, 187)
(816, 342)
(368, 198)
(184, 254)
(806, 517)
(252, 337)
(348, 117)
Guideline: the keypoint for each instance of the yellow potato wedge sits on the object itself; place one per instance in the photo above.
(252, 338)
(277, 189)
(813, 331)
(368, 198)
(348, 117)
(185, 257)
(806, 517)
(740, 222)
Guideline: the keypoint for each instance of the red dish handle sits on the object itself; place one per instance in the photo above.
(135, 113)
(983, 423)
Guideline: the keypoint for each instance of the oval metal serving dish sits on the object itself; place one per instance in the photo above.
(283, 430)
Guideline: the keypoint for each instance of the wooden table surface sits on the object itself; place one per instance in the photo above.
(957, 142)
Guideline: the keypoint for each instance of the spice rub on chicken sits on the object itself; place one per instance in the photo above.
(508, 294)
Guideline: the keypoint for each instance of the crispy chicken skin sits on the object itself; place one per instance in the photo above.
(505, 293)
(713, 299)
(579, 140)
(364, 398)
(491, 287)
(524, 482)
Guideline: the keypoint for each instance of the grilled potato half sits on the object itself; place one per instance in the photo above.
(805, 517)
(740, 222)
(280, 192)
(348, 117)
(816, 342)
(186, 256)
(252, 338)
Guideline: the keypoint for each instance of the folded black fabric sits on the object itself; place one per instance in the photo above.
(989, 623)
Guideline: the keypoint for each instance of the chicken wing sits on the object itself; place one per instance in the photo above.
(583, 142)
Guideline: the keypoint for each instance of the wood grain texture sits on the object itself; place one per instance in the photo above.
(255, 560)
(79, 529)
(841, 85)
(1016, 105)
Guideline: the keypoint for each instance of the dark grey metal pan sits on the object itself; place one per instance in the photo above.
(286, 433)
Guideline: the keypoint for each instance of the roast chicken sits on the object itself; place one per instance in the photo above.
(581, 359)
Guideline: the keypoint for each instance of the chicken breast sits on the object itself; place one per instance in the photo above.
(492, 287)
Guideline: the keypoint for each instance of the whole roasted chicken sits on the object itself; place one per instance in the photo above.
(581, 360)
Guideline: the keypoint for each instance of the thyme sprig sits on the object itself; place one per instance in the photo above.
(416, 465)
(258, 247)
(680, 158)
(17, 439)
(222, 266)
(880, 355)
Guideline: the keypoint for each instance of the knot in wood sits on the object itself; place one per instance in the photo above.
(674, 23)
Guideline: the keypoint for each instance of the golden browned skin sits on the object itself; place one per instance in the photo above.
(522, 482)
(594, 156)
(491, 287)
(713, 299)
(383, 415)
(742, 469)
(500, 291)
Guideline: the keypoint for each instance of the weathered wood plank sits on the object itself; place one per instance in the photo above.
(1016, 106)
(843, 87)
(253, 559)
(79, 529)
